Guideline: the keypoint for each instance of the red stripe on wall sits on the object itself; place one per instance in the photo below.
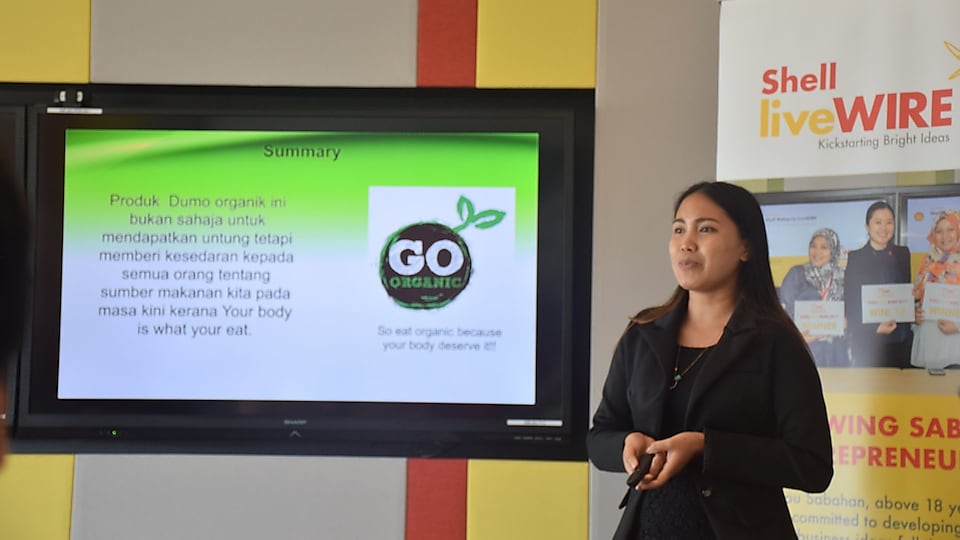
(447, 43)
(436, 499)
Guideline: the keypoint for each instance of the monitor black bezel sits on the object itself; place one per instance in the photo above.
(369, 429)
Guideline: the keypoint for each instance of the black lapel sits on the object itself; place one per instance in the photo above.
(663, 339)
(737, 335)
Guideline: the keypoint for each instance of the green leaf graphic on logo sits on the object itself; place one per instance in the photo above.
(483, 220)
(465, 209)
(488, 218)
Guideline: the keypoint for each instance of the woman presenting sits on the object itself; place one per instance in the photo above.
(716, 385)
(937, 342)
(886, 344)
(820, 279)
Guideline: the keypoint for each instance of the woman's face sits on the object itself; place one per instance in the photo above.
(819, 251)
(945, 235)
(705, 247)
(880, 228)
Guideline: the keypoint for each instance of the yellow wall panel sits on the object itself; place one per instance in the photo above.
(918, 178)
(520, 500)
(762, 185)
(36, 497)
(946, 177)
(925, 178)
(536, 43)
(45, 41)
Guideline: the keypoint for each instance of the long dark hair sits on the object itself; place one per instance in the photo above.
(755, 287)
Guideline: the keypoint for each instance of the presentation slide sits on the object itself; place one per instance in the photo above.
(299, 266)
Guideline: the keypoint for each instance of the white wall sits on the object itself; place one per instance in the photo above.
(656, 134)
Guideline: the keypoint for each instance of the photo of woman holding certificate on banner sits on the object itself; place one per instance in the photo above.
(937, 340)
(878, 275)
(811, 292)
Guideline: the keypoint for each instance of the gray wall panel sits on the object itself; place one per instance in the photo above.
(123, 497)
(365, 43)
(656, 134)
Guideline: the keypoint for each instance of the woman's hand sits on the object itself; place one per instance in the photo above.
(918, 314)
(887, 327)
(947, 327)
(634, 444)
(671, 456)
(810, 338)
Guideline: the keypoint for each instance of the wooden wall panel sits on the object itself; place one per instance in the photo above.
(436, 499)
(520, 500)
(36, 492)
(447, 43)
(536, 43)
(46, 41)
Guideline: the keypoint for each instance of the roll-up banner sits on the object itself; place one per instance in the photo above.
(834, 90)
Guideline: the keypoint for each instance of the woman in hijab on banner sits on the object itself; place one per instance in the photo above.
(937, 341)
(878, 262)
(819, 280)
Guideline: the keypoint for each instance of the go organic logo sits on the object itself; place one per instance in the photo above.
(426, 265)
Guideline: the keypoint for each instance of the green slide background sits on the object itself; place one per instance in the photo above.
(325, 200)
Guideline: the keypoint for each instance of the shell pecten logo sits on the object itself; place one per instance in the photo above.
(955, 51)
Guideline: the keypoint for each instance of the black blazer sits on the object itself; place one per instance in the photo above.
(867, 266)
(759, 403)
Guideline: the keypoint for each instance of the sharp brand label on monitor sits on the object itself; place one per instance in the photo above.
(74, 110)
(526, 422)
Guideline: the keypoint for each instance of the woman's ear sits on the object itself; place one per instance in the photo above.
(745, 256)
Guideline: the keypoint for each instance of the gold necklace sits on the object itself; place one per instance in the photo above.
(677, 376)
